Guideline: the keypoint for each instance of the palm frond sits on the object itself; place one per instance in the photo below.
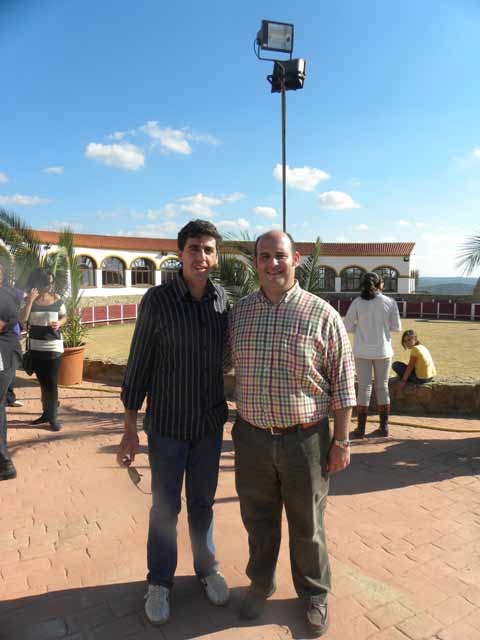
(22, 243)
(309, 273)
(469, 255)
(236, 274)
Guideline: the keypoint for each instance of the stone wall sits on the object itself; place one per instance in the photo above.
(443, 397)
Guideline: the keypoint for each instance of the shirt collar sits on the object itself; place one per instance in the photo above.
(183, 292)
(287, 296)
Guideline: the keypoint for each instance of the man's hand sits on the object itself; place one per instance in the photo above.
(3, 325)
(338, 458)
(55, 325)
(128, 448)
(400, 386)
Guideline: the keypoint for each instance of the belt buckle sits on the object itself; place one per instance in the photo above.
(272, 433)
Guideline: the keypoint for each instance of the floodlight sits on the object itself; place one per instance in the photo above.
(275, 36)
(292, 72)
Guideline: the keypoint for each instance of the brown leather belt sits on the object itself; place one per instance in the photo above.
(282, 431)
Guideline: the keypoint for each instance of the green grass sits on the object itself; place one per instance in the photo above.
(454, 345)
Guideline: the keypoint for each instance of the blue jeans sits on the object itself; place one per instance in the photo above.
(399, 368)
(170, 460)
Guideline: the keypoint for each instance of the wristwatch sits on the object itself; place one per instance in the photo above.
(344, 444)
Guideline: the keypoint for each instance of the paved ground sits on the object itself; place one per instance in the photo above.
(403, 526)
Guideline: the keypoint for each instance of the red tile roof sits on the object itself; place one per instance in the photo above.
(91, 241)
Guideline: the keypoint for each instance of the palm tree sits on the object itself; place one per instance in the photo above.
(309, 273)
(21, 250)
(469, 257)
(237, 274)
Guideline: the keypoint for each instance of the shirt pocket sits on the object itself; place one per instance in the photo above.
(298, 354)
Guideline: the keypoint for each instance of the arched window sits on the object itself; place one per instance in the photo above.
(143, 273)
(113, 272)
(326, 279)
(169, 270)
(88, 271)
(390, 278)
(352, 278)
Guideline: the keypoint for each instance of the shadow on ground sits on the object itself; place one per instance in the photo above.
(116, 610)
(406, 462)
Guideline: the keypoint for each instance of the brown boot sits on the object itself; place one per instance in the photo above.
(382, 431)
(359, 432)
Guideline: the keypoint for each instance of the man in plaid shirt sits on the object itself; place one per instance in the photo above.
(293, 365)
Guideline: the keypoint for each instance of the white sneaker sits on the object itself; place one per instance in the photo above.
(216, 589)
(157, 605)
(16, 403)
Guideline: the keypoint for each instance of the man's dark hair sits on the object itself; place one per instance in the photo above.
(292, 242)
(195, 229)
(370, 285)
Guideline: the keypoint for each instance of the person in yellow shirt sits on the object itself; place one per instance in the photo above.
(420, 368)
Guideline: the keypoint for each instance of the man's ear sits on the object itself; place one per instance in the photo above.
(296, 259)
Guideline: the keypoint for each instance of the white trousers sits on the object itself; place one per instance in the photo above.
(367, 369)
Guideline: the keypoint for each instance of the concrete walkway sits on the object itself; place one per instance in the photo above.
(403, 526)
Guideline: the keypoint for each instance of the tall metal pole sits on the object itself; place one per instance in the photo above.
(284, 153)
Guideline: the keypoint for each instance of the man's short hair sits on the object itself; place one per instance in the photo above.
(195, 229)
(292, 241)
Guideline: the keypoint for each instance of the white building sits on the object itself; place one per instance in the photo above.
(116, 265)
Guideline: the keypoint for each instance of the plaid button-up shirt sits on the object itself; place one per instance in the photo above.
(293, 360)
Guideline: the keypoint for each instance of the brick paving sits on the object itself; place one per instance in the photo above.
(403, 527)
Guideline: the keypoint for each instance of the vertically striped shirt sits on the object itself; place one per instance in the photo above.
(293, 360)
(176, 361)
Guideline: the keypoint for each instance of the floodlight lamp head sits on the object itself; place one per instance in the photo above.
(275, 36)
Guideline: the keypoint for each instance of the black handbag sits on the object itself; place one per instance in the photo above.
(27, 358)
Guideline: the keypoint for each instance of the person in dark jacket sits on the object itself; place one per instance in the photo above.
(10, 358)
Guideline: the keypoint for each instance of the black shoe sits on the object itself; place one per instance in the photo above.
(317, 615)
(55, 425)
(7, 470)
(41, 420)
(254, 603)
(357, 434)
(379, 433)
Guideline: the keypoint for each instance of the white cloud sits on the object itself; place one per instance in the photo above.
(173, 140)
(234, 225)
(119, 135)
(54, 170)
(421, 225)
(336, 200)
(105, 215)
(123, 156)
(341, 239)
(362, 227)
(200, 205)
(203, 137)
(27, 201)
(160, 230)
(476, 153)
(261, 228)
(301, 178)
(3, 178)
(355, 182)
(403, 223)
(234, 197)
(170, 210)
(59, 225)
(266, 212)
(389, 239)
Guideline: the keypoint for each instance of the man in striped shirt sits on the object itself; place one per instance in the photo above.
(176, 362)
(293, 364)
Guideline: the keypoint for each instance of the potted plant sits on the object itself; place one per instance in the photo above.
(73, 331)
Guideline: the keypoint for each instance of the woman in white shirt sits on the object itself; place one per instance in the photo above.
(371, 318)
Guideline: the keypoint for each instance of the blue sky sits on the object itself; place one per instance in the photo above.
(130, 118)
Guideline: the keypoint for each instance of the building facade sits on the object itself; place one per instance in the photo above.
(116, 265)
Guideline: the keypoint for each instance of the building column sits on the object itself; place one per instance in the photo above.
(128, 277)
(158, 276)
(98, 278)
(338, 284)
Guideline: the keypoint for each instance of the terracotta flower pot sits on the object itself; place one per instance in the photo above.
(71, 366)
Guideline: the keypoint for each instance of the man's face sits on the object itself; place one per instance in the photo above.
(275, 262)
(199, 256)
